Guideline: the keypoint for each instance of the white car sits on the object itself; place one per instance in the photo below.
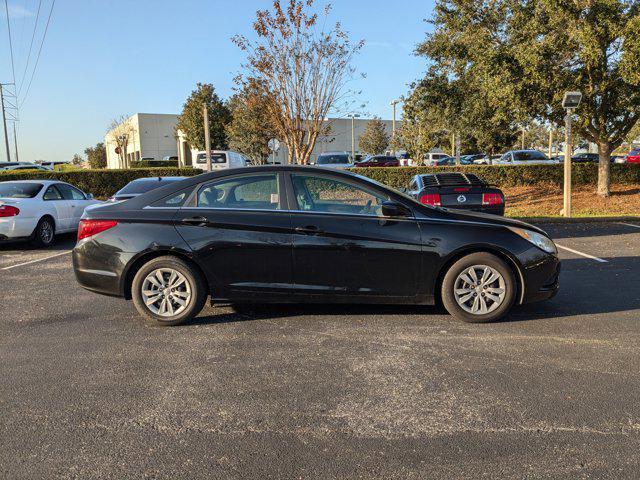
(220, 160)
(431, 159)
(40, 209)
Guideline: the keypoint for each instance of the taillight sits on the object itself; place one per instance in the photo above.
(8, 211)
(89, 228)
(491, 199)
(430, 199)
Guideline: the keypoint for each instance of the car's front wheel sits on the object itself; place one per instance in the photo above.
(479, 287)
(168, 291)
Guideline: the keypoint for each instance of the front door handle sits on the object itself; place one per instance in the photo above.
(308, 230)
(195, 221)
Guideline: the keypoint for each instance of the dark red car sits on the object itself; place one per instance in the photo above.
(634, 156)
(379, 161)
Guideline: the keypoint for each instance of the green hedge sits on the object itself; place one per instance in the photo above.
(508, 175)
(102, 183)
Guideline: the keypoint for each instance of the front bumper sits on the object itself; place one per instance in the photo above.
(541, 276)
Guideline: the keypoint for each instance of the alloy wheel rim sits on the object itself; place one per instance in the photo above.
(46, 232)
(479, 289)
(166, 292)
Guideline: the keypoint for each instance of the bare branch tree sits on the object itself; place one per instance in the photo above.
(303, 68)
(121, 130)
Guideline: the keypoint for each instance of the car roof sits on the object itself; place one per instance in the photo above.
(43, 181)
(158, 179)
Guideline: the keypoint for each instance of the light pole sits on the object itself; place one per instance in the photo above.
(207, 143)
(570, 102)
(353, 135)
(393, 103)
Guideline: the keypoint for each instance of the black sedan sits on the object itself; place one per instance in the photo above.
(457, 190)
(141, 185)
(301, 234)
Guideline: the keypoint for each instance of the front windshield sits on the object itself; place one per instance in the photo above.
(332, 159)
(19, 190)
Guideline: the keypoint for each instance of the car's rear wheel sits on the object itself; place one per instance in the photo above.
(44, 233)
(479, 287)
(168, 291)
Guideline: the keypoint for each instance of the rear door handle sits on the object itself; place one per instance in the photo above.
(195, 221)
(308, 230)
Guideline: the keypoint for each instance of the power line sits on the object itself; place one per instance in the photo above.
(33, 36)
(13, 68)
(46, 28)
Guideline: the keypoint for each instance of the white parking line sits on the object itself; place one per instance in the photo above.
(35, 261)
(601, 260)
(629, 224)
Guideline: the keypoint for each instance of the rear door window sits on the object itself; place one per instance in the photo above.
(254, 192)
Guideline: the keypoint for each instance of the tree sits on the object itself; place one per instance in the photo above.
(375, 139)
(303, 69)
(121, 132)
(77, 159)
(524, 54)
(96, 156)
(191, 120)
(250, 128)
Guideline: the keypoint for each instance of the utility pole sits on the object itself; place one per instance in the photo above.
(458, 144)
(15, 141)
(207, 142)
(570, 102)
(353, 136)
(550, 142)
(522, 138)
(4, 122)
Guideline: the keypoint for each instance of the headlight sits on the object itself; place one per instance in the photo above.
(541, 241)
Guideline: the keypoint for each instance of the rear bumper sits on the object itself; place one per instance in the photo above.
(98, 269)
(13, 228)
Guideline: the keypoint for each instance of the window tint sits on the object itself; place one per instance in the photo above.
(251, 192)
(70, 193)
(175, 200)
(332, 159)
(323, 194)
(52, 193)
(19, 190)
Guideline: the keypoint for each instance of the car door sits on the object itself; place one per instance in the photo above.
(342, 245)
(240, 229)
(55, 199)
(76, 202)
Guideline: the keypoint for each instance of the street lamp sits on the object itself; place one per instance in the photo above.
(353, 135)
(393, 103)
(570, 102)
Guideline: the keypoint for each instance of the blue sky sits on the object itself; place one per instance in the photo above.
(105, 58)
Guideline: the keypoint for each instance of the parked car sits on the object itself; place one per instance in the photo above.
(633, 156)
(13, 164)
(430, 158)
(457, 190)
(38, 210)
(334, 160)
(448, 161)
(585, 158)
(618, 159)
(52, 165)
(221, 159)
(304, 234)
(379, 161)
(170, 158)
(524, 157)
(141, 185)
(26, 167)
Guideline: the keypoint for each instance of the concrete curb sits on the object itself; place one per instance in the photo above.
(576, 220)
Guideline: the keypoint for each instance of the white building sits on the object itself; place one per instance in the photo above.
(154, 136)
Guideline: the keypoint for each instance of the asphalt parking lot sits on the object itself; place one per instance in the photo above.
(89, 391)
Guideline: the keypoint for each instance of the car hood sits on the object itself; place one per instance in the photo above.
(487, 218)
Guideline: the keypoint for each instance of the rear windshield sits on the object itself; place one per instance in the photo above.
(332, 159)
(139, 187)
(529, 155)
(19, 190)
(215, 158)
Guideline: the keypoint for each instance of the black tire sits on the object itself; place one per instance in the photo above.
(465, 263)
(44, 233)
(193, 278)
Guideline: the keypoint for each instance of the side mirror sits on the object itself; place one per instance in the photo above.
(89, 196)
(394, 209)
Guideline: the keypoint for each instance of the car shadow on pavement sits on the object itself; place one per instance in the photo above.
(586, 288)
(62, 242)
